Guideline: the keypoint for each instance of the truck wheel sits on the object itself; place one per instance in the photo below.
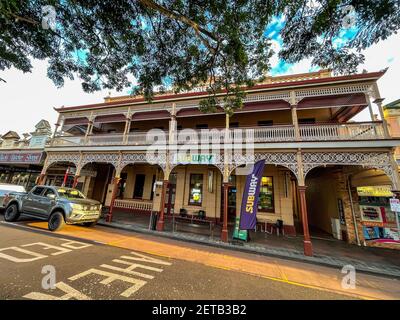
(12, 213)
(90, 224)
(56, 221)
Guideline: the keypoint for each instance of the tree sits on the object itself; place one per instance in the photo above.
(219, 44)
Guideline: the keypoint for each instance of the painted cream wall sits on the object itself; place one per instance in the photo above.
(132, 171)
(282, 200)
(249, 119)
(211, 203)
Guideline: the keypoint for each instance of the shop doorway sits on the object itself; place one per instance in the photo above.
(139, 186)
(170, 195)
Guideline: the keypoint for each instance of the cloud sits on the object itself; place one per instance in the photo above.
(378, 57)
(27, 98)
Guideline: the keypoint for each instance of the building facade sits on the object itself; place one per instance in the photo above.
(133, 154)
(22, 159)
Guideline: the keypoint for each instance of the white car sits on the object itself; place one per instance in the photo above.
(6, 188)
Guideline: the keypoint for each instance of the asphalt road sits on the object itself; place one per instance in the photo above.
(30, 258)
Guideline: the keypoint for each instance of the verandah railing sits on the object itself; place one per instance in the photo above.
(279, 133)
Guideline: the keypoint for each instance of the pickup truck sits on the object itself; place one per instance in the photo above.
(56, 205)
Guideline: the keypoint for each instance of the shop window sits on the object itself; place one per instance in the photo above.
(196, 189)
(266, 198)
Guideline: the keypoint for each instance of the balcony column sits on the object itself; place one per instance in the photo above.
(224, 232)
(160, 222)
(371, 111)
(295, 122)
(308, 251)
(59, 124)
(225, 184)
(116, 182)
(293, 106)
(65, 177)
(172, 125)
(301, 187)
(76, 178)
(127, 129)
(378, 102)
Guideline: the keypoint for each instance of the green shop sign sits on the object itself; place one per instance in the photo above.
(194, 158)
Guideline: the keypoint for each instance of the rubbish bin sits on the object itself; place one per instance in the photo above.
(153, 220)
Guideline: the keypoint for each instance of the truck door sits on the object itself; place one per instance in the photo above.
(47, 202)
(31, 203)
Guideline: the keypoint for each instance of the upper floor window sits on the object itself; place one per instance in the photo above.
(307, 121)
(265, 123)
(201, 126)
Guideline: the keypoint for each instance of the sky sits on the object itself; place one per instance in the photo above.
(27, 98)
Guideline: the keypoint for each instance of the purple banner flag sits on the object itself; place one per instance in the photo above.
(248, 212)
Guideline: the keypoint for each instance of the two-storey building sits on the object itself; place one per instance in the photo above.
(22, 158)
(300, 125)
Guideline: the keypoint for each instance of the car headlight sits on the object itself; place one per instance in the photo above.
(77, 206)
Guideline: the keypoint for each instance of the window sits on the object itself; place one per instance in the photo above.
(70, 193)
(307, 121)
(201, 126)
(48, 192)
(37, 191)
(265, 123)
(196, 189)
(266, 197)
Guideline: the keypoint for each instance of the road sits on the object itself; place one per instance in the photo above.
(181, 270)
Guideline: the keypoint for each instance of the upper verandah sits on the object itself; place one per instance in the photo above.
(278, 88)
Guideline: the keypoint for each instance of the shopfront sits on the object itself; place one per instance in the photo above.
(378, 221)
(21, 168)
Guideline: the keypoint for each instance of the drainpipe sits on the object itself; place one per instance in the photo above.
(352, 212)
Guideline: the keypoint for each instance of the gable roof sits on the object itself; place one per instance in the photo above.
(11, 135)
(393, 105)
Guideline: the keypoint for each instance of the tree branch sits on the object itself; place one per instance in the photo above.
(199, 30)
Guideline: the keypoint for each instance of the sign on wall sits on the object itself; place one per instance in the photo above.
(38, 141)
(194, 158)
(21, 157)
